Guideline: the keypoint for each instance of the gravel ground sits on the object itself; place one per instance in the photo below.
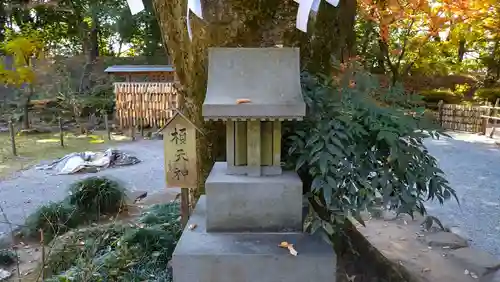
(25, 191)
(470, 162)
(472, 165)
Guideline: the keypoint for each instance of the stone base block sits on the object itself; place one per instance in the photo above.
(264, 170)
(241, 203)
(249, 257)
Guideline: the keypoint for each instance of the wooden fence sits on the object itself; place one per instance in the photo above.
(145, 104)
(462, 117)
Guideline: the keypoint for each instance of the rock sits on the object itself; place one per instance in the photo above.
(156, 136)
(445, 239)
(135, 196)
(457, 231)
(476, 261)
(4, 274)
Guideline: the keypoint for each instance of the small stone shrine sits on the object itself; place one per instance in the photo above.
(251, 205)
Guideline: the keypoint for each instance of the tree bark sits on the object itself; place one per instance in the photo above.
(242, 23)
(26, 107)
(461, 50)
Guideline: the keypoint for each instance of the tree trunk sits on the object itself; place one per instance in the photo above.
(240, 23)
(461, 50)
(90, 44)
(227, 23)
(26, 108)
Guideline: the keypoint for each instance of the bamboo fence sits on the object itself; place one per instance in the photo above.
(145, 104)
(462, 117)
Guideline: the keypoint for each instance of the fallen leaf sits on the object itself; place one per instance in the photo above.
(243, 101)
(290, 248)
(283, 244)
(192, 226)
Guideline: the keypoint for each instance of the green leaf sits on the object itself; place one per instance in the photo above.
(317, 147)
(300, 162)
(323, 163)
(317, 184)
(327, 194)
(331, 182)
(334, 150)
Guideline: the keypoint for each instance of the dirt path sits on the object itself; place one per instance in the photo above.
(23, 193)
(472, 165)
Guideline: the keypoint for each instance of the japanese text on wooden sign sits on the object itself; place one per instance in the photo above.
(179, 137)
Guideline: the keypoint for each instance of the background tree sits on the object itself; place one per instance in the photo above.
(24, 51)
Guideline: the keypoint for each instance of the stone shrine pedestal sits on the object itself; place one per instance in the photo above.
(202, 256)
(251, 205)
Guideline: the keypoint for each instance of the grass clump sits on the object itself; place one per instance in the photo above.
(73, 247)
(54, 219)
(97, 196)
(88, 200)
(7, 257)
(137, 251)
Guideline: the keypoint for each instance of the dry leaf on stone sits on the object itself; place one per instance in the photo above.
(243, 101)
(283, 244)
(290, 248)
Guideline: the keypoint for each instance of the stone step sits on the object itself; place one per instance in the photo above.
(202, 256)
(240, 203)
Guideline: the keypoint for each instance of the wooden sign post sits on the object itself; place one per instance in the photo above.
(179, 138)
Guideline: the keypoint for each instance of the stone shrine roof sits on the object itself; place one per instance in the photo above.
(253, 83)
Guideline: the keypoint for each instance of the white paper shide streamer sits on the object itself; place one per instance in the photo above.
(135, 6)
(195, 7)
(305, 8)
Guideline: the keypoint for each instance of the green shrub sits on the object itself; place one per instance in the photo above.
(350, 150)
(7, 257)
(487, 94)
(114, 252)
(160, 214)
(54, 219)
(97, 196)
(432, 97)
(80, 245)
